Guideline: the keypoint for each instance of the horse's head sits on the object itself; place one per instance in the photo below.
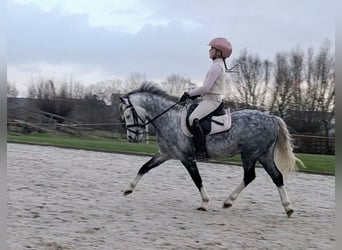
(134, 118)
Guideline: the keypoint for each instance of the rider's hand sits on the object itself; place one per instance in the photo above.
(184, 97)
(194, 97)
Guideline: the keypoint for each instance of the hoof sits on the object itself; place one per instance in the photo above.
(289, 213)
(127, 192)
(226, 205)
(201, 209)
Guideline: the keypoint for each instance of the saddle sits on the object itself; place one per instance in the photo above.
(217, 121)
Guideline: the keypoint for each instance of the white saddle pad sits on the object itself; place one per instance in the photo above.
(216, 127)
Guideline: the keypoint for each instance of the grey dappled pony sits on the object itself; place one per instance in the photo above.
(253, 134)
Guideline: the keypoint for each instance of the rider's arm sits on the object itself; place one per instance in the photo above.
(214, 72)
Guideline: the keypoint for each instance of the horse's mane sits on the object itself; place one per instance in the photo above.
(154, 89)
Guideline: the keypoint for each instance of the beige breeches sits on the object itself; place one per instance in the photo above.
(204, 108)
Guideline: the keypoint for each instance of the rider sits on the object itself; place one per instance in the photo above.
(211, 92)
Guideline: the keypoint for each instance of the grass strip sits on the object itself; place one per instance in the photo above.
(315, 163)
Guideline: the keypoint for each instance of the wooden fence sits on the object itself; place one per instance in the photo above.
(303, 143)
(314, 144)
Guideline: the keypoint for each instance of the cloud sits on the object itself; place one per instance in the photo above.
(157, 38)
(54, 37)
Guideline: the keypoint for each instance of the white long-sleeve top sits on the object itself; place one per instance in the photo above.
(214, 80)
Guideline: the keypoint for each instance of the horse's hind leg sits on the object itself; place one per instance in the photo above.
(249, 176)
(197, 179)
(277, 177)
(156, 160)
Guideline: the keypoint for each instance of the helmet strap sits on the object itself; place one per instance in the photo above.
(231, 70)
(225, 65)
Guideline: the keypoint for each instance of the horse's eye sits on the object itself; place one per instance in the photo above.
(128, 116)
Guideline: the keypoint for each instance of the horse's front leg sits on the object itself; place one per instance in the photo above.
(191, 166)
(155, 161)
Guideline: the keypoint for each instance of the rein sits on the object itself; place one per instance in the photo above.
(157, 116)
(136, 116)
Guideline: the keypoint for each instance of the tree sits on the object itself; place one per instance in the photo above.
(12, 91)
(133, 81)
(317, 93)
(50, 98)
(104, 90)
(71, 89)
(296, 74)
(43, 89)
(320, 80)
(251, 84)
(283, 90)
(176, 84)
(304, 89)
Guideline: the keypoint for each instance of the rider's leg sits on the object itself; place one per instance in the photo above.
(204, 108)
(199, 141)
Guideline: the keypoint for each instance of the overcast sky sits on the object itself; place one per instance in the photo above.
(98, 40)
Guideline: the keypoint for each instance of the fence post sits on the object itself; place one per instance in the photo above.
(146, 135)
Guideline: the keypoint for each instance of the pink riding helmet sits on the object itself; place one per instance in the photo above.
(222, 44)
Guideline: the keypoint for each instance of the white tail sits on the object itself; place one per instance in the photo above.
(284, 157)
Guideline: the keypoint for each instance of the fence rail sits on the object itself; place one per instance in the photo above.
(314, 144)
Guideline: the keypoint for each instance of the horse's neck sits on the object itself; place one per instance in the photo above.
(154, 105)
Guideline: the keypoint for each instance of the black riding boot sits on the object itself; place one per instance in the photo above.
(199, 141)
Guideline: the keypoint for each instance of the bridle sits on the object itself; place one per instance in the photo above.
(138, 122)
